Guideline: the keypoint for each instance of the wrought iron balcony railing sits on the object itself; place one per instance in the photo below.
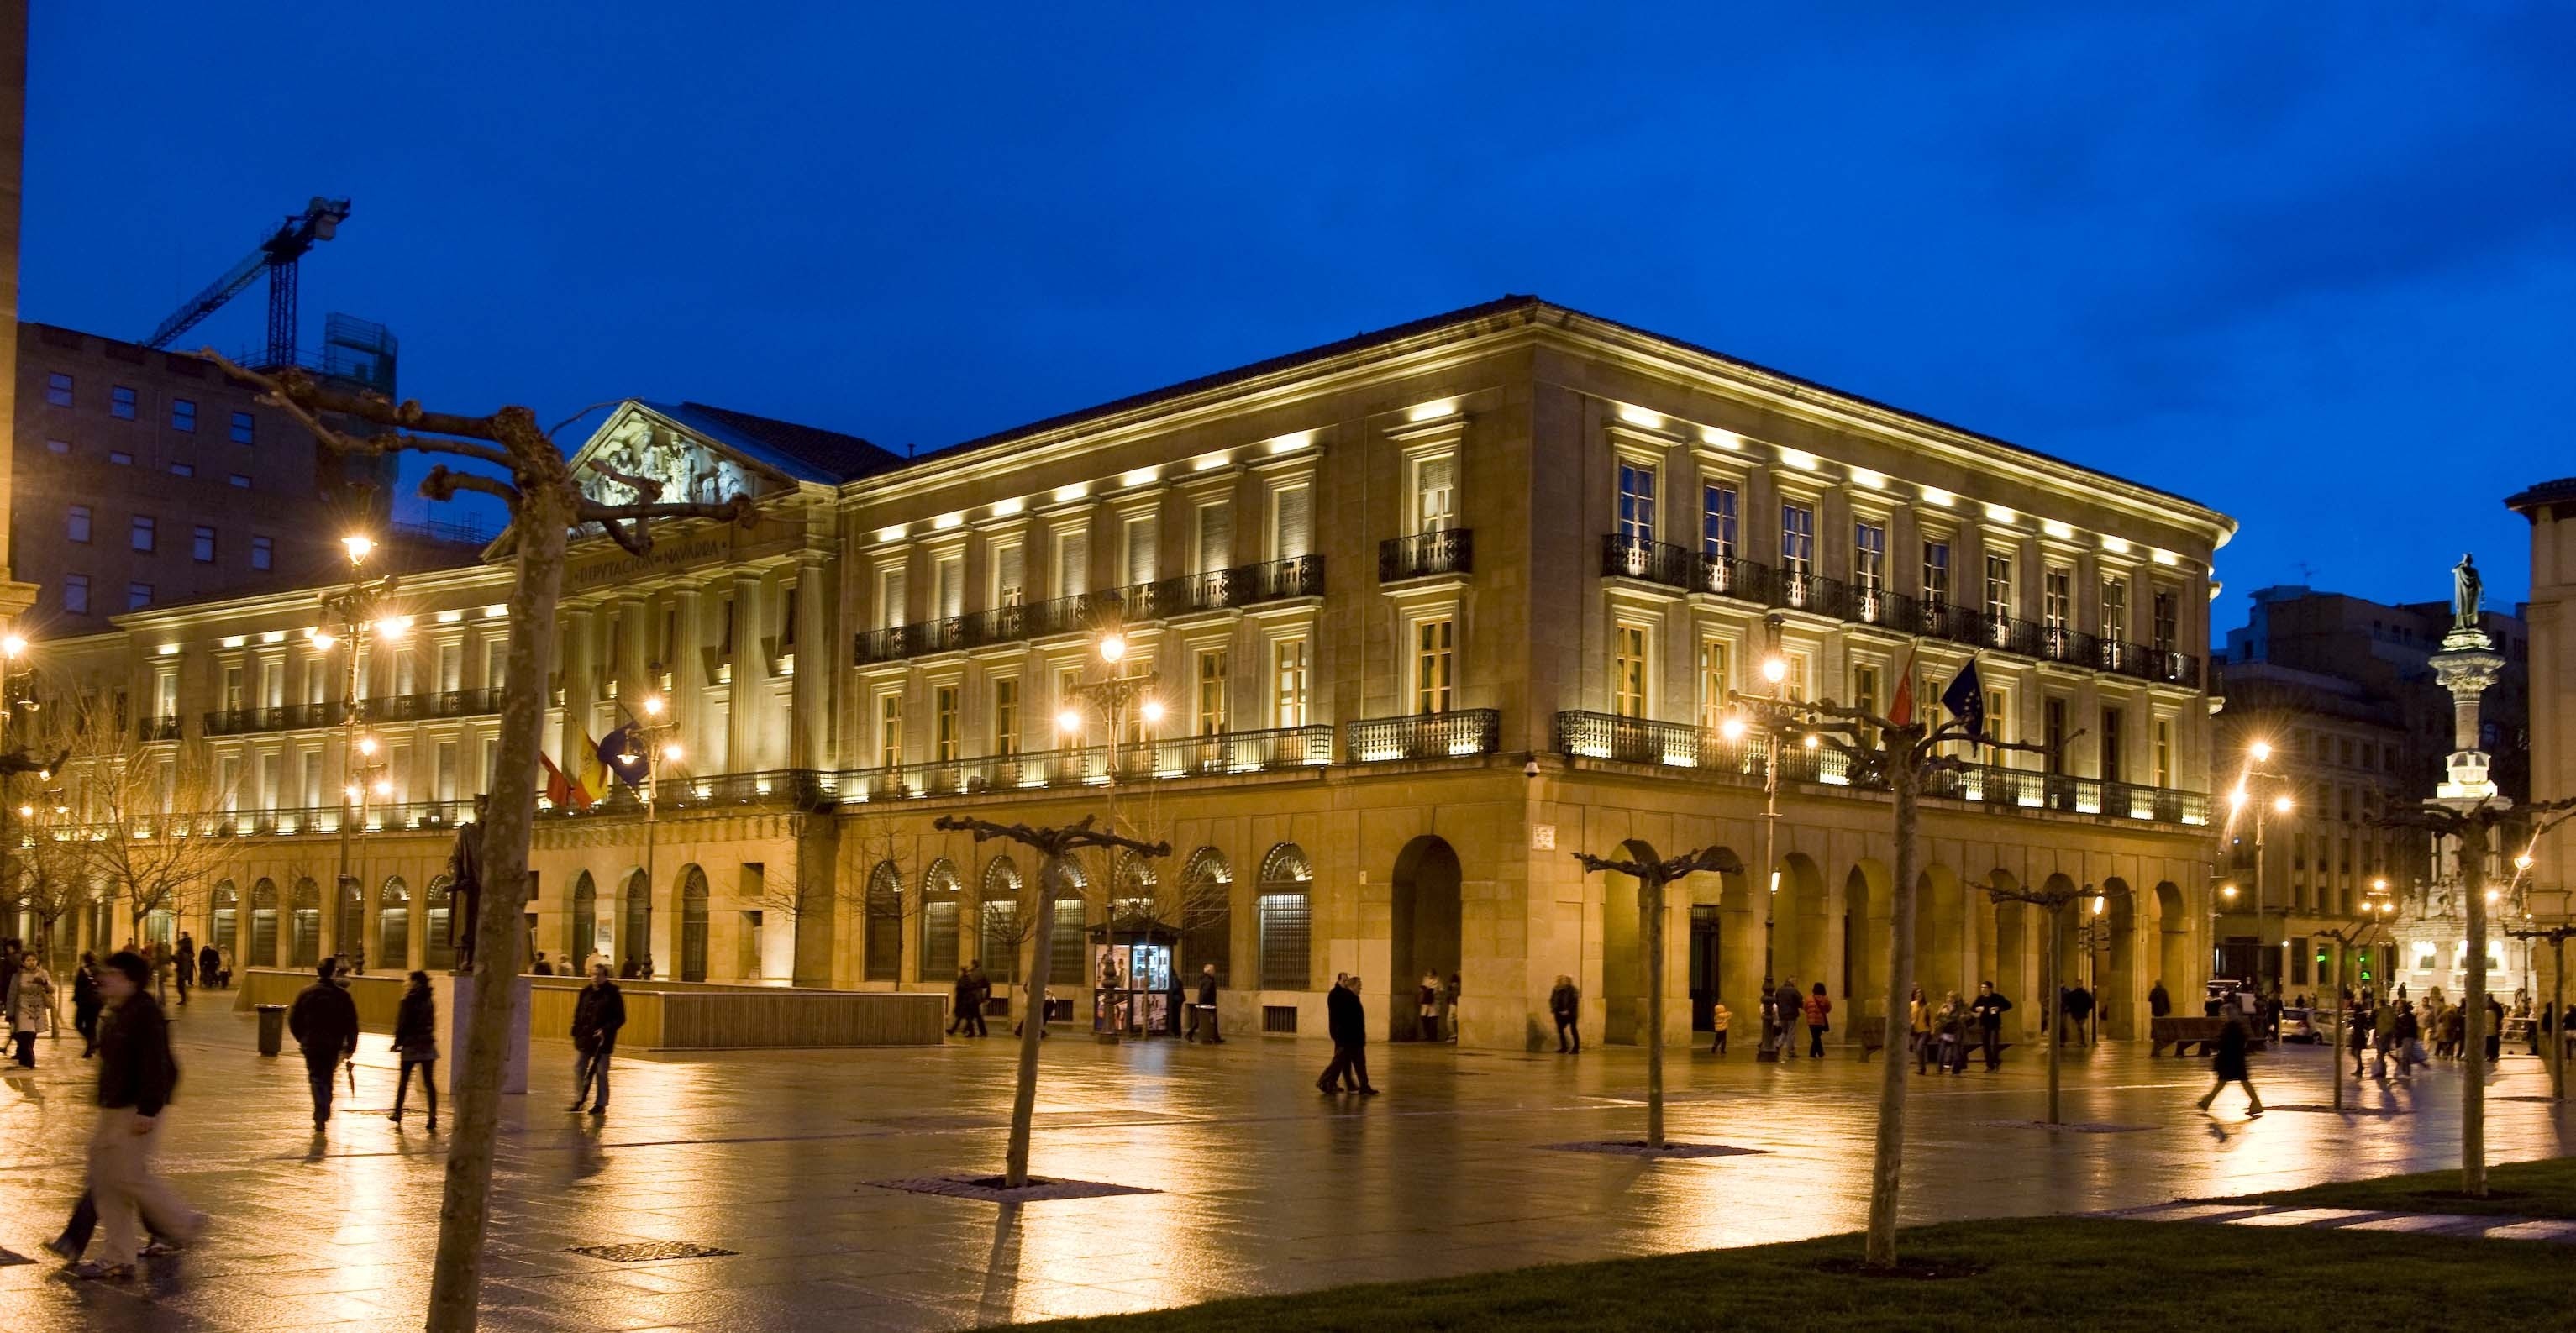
(157, 729)
(1244, 585)
(1465, 731)
(1272, 750)
(1426, 554)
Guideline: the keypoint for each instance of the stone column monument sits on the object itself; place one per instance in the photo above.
(2466, 666)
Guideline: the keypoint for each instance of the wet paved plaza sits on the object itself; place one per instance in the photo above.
(1260, 1184)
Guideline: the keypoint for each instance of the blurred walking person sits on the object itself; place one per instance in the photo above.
(136, 1080)
(1819, 1015)
(2229, 1064)
(1990, 1007)
(30, 1007)
(1565, 1005)
(184, 959)
(324, 1021)
(416, 1041)
(86, 1004)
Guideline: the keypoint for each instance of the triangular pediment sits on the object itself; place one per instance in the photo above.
(639, 442)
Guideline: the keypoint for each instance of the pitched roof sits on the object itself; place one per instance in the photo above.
(805, 453)
(2542, 496)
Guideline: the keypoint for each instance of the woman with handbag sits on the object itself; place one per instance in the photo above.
(416, 1040)
(31, 1007)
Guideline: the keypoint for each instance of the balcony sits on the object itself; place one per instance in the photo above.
(1426, 555)
(1216, 590)
(392, 708)
(1466, 731)
(157, 729)
(1625, 557)
(1275, 750)
(1675, 745)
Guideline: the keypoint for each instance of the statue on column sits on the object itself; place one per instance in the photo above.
(465, 866)
(2466, 586)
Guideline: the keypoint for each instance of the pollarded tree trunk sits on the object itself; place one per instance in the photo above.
(2473, 1058)
(543, 528)
(2051, 1024)
(2557, 1033)
(1024, 1092)
(1889, 1155)
(1650, 935)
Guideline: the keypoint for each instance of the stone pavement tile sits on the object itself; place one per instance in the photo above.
(2408, 1222)
(2300, 1217)
(2560, 1231)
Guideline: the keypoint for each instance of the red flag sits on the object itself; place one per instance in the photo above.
(1901, 712)
(561, 792)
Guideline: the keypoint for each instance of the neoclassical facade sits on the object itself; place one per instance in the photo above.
(1424, 612)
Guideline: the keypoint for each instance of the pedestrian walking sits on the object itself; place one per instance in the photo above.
(2230, 1065)
(596, 1016)
(1449, 995)
(1426, 1005)
(1347, 1019)
(183, 961)
(1918, 1030)
(1819, 1015)
(1565, 1005)
(541, 968)
(2356, 1035)
(1719, 1020)
(324, 1021)
(2493, 1041)
(2159, 1000)
(961, 1000)
(136, 1079)
(2383, 1035)
(30, 1007)
(210, 966)
(983, 1000)
(2408, 1040)
(1203, 1011)
(1953, 1021)
(2077, 1008)
(86, 1003)
(416, 1041)
(1789, 1005)
(1990, 1007)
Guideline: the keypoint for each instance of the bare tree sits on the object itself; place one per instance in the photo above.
(1652, 878)
(530, 475)
(157, 822)
(1902, 754)
(1055, 846)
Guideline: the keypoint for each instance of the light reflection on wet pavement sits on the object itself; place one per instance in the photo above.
(1264, 1186)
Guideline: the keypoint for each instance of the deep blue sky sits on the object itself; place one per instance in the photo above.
(2316, 275)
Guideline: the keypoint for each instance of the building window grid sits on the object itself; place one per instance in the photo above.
(142, 533)
(1869, 557)
(948, 724)
(1797, 540)
(1006, 717)
(890, 731)
(1636, 502)
(1628, 671)
(1936, 572)
(1717, 521)
(1714, 683)
(1212, 675)
(245, 428)
(76, 524)
(183, 415)
(1435, 663)
(120, 402)
(58, 389)
(1288, 683)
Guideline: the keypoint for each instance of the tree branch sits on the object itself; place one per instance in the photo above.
(443, 482)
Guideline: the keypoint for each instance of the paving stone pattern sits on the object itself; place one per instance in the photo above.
(2361, 1219)
(1258, 1184)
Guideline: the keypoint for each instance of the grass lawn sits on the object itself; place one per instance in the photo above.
(2055, 1275)
(2520, 1189)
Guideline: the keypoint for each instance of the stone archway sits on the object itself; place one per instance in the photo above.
(1799, 916)
(393, 923)
(1864, 932)
(581, 925)
(1623, 961)
(263, 926)
(693, 924)
(1717, 918)
(2174, 951)
(2010, 968)
(635, 928)
(1428, 927)
(304, 925)
(2115, 960)
(1942, 946)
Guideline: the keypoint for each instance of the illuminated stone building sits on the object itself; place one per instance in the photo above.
(1429, 609)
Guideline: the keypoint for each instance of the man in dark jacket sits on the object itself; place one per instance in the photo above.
(325, 1024)
(596, 1017)
(1565, 1005)
(184, 961)
(1787, 1005)
(210, 966)
(961, 1001)
(2078, 1008)
(2159, 1001)
(1204, 1011)
(136, 1079)
(1347, 1019)
(1990, 1007)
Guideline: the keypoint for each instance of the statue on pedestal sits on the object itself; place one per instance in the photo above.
(2466, 587)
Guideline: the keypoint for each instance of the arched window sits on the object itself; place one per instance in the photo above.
(225, 932)
(1205, 908)
(635, 930)
(1286, 914)
(439, 953)
(940, 891)
(693, 925)
(883, 960)
(1001, 919)
(581, 934)
(263, 925)
(393, 923)
(304, 924)
(353, 916)
(1068, 946)
(1134, 908)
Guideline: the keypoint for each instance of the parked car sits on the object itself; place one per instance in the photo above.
(2300, 1025)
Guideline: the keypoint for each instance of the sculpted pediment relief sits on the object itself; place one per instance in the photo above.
(638, 445)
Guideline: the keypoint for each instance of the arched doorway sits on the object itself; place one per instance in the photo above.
(1428, 925)
(998, 921)
(305, 924)
(438, 910)
(1712, 897)
(1206, 911)
(1941, 935)
(1069, 946)
(635, 932)
(2115, 958)
(2010, 970)
(693, 924)
(1861, 993)
(351, 927)
(1799, 947)
(393, 922)
(942, 897)
(581, 927)
(1284, 915)
(1623, 958)
(2174, 953)
(263, 925)
(224, 932)
(881, 957)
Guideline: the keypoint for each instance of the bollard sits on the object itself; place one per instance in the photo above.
(272, 1028)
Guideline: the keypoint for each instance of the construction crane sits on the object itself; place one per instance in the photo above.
(319, 222)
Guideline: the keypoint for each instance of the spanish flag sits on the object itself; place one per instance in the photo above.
(590, 778)
(560, 791)
(1901, 711)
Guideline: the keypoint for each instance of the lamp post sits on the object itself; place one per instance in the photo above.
(2247, 794)
(2376, 907)
(355, 610)
(656, 731)
(1775, 673)
(1111, 695)
(2092, 935)
(13, 649)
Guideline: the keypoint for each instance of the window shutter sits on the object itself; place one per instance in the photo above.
(952, 587)
(1216, 537)
(1010, 575)
(892, 613)
(1295, 534)
(1142, 559)
(1072, 564)
(1436, 500)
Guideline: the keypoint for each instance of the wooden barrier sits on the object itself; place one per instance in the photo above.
(664, 1015)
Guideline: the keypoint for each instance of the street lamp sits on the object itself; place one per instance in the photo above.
(2245, 798)
(1112, 695)
(356, 609)
(1775, 672)
(659, 735)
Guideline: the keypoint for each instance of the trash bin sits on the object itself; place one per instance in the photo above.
(272, 1028)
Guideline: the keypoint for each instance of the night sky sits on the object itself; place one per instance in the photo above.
(2315, 275)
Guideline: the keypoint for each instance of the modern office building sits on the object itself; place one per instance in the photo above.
(1425, 612)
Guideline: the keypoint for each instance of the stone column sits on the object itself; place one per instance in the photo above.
(687, 664)
(817, 657)
(743, 745)
(580, 635)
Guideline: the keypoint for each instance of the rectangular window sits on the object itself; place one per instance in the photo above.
(891, 602)
(138, 596)
(890, 731)
(183, 415)
(949, 727)
(58, 446)
(2053, 734)
(1628, 671)
(1797, 540)
(234, 683)
(263, 553)
(76, 594)
(1072, 563)
(1435, 664)
(1936, 571)
(245, 428)
(2057, 600)
(1999, 602)
(201, 544)
(787, 618)
(1292, 523)
(1212, 692)
(451, 667)
(1714, 682)
(1288, 683)
(183, 469)
(2166, 609)
(58, 389)
(2164, 752)
(1216, 537)
(1006, 717)
(1435, 493)
(1865, 697)
(1636, 502)
(1998, 718)
(141, 533)
(2115, 766)
(1010, 575)
(1717, 521)
(120, 458)
(1143, 539)
(238, 481)
(1869, 557)
(1286, 922)
(2115, 609)
(120, 402)
(950, 581)
(76, 526)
